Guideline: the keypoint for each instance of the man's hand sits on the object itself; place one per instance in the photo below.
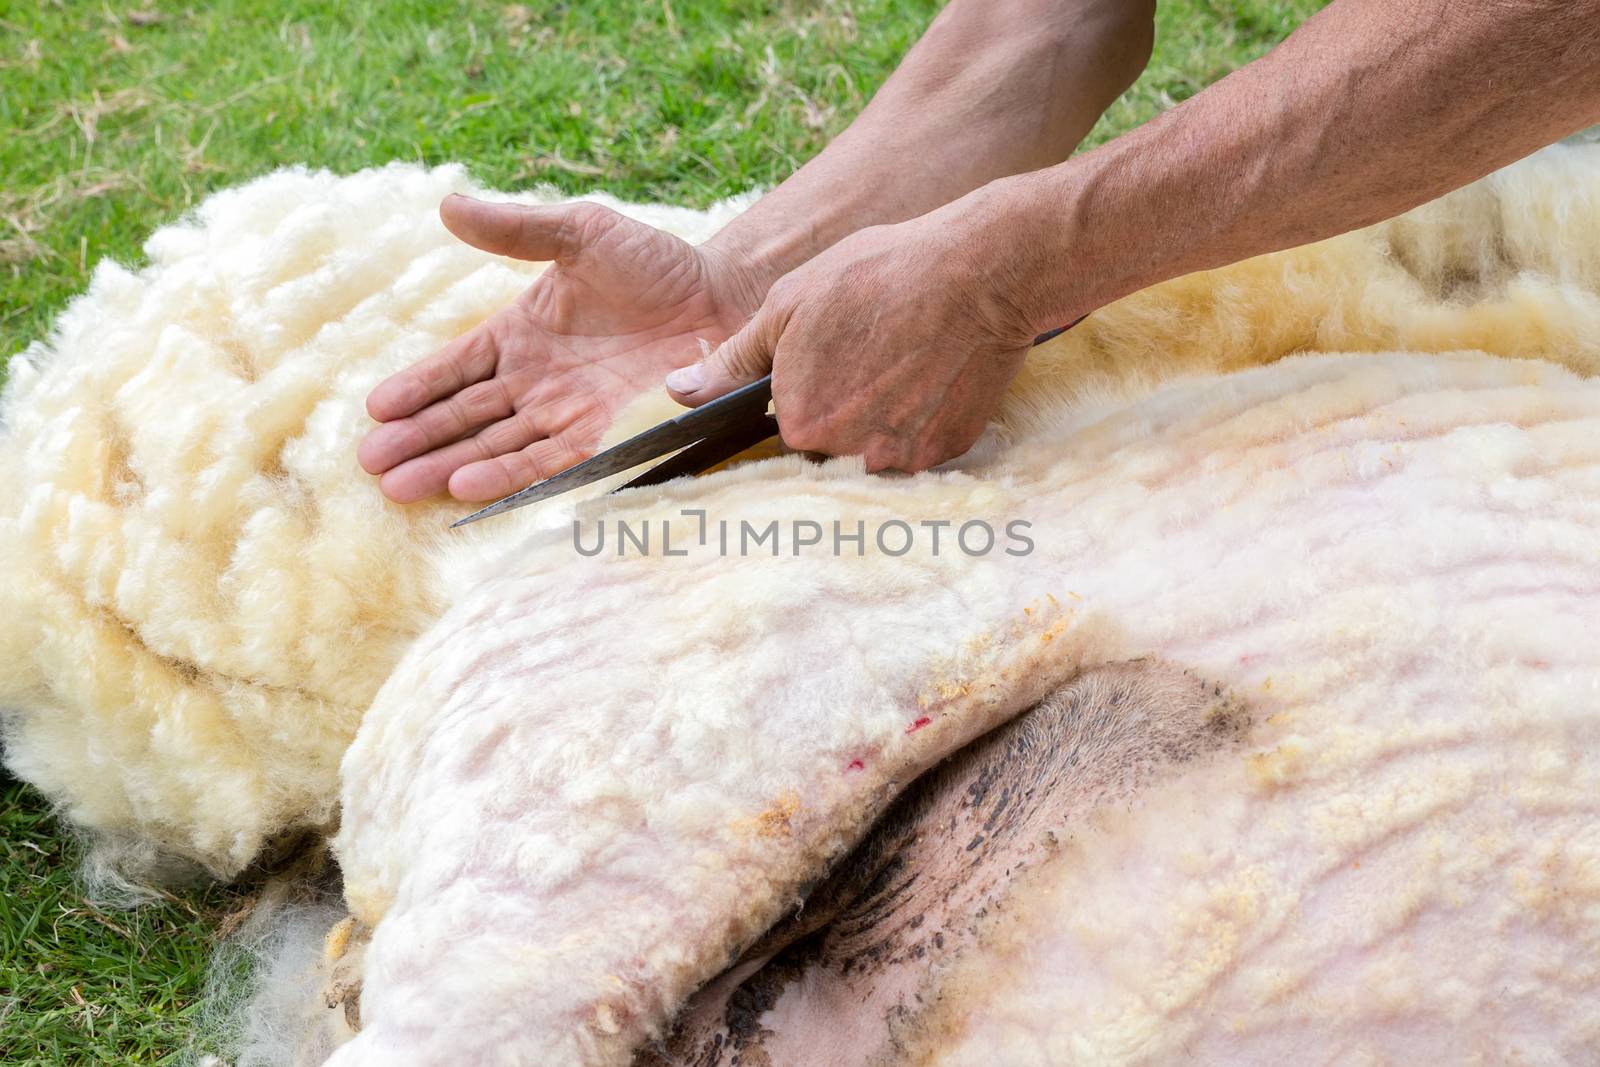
(889, 345)
(996, 87)
(529, 392)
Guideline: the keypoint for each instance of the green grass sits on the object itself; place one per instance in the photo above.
(116, 117)
(80, 984)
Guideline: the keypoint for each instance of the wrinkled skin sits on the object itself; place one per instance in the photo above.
(842, 979)
(944, 349)
(529, 391)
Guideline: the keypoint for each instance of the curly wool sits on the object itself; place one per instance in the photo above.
(200, 589)
(201, 592)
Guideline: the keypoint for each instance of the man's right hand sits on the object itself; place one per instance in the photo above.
(529, 391)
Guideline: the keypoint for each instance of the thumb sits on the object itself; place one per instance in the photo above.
(739, 360)
(537, 232)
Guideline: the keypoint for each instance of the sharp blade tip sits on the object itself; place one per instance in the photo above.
(467, 520)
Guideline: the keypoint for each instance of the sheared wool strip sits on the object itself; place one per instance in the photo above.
(201, 590)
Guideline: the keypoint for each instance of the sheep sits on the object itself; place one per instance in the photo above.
(203, 596)
(563, 815)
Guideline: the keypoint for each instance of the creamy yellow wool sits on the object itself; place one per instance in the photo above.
(200, 592)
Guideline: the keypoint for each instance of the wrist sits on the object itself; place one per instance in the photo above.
(1010, 239)
(763, 245)
(739, 282)
(1055, 244)
(795, 222)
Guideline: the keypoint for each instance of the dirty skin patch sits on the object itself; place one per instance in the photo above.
(849, 977)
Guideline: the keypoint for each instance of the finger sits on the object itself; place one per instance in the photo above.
(438, 424)
(469, 358)
(739, 360)
(578, 425)
(886, 454)
(536, 232)
(494, 478)
(426, 475)
(429, 474)
(572, 416)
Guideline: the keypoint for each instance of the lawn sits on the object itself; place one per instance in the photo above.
(117, 118)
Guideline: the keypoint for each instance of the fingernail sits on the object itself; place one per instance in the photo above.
(686, 379)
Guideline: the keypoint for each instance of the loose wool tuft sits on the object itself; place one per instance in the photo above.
(201, 593)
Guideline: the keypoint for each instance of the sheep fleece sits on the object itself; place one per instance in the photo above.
(590, 781)
(201, 590)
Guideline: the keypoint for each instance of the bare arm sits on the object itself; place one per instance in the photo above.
(996, 87)
(1369, 109)
(993, 88)
(897, 342)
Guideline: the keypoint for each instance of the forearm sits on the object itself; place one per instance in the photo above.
(1371, 108)
(995, 87)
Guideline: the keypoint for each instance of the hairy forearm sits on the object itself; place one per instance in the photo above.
(1372, 107)
(995, 87)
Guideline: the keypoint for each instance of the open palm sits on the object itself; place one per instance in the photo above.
(529, 391)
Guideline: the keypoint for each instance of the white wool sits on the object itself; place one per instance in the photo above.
(625, 767)
(563, 813)
(201, 590)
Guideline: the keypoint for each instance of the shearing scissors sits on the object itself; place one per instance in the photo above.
(701, 437)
